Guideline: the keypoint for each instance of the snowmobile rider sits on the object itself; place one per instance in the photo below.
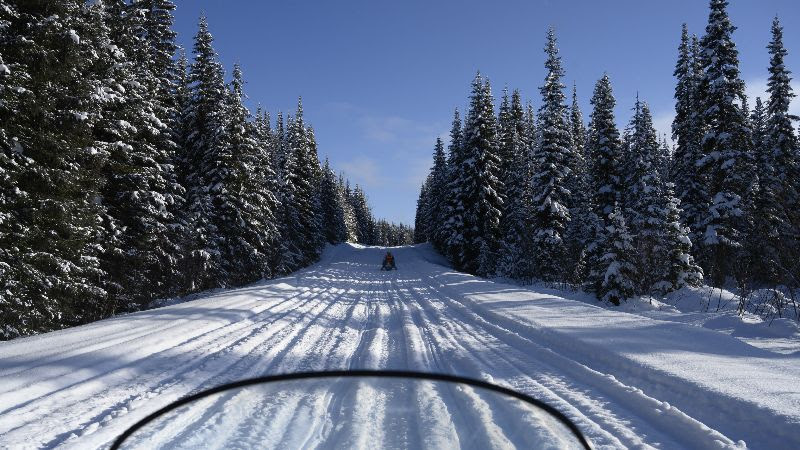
(388, 262)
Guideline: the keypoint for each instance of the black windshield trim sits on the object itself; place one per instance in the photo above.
(356, 374)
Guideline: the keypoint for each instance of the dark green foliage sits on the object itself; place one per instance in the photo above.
(127, 176)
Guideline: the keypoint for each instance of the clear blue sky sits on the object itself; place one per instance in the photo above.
(380, 79)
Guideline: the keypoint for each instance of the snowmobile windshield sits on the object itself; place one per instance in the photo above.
(355, 409)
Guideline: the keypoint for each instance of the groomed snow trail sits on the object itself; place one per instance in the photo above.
(626, 381)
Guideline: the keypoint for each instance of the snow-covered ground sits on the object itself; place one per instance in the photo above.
(651, 377)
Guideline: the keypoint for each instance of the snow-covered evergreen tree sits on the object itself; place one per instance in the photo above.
(452, 240)
(246, 207)
(677, 267)
(687, 133)
(505, 151)
(605, 150)
(365, 223)
(141, 191)
(758, 125)
(579, 185)
(301, 175)
(349, 215)
(553, 158)
(515, 224)
(50, 224)
(437, 194)
(724, 164)
(421, 219)
(618, 270)
(662, 248)
(206, 160)
(583, 221)
(479, 183)
(332, 204)
(776, 217)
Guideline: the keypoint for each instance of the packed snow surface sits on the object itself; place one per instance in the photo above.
(625, 379)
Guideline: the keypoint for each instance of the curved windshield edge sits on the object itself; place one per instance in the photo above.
(356, 374)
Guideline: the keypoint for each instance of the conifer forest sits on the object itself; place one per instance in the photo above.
(131, 170)
(399, 224)
(539, 194)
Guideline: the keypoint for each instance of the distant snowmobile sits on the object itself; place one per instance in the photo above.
(388, 262)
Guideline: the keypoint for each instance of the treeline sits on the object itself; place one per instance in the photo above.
(539, 196)
(128, 175)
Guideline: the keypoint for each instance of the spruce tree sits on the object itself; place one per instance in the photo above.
(687, 132)
(579, 165)
(580, 230)
(677, 268)
(141, 191)
(724, 164)
(480, 186)
(452, 240)
(365, 223)
(421, 218)
(515, 223)
(505, 151)
(605, 149)
(50, 224)
(553, 158)
(206, 161)
(776, 232)
(662, 247)
(349, 214)
(332, 206)
(618, 270)
(246, 207)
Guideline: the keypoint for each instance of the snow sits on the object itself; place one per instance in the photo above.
(74, 36)
(636, 376)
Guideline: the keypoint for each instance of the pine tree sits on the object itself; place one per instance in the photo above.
(480, 187)
(365, 223)
(206, 160)
(141, 192)
(687, 133)
(725, 145)
(579, 165)
(50, 222)
(678, 268)
(580, 230)
(662, 247)
(505, 150)
(515, 227)
(332, 206)
(421, 218)
(553, 158)
(452, 239)
(605, 155)
(619, 270)
(776, 232)
(605, 149)
(349, 214)
(246, 206)
(301, 175)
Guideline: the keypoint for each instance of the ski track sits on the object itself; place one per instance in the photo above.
(80, 388)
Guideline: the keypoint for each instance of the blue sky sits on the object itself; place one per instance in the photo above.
(380, 79)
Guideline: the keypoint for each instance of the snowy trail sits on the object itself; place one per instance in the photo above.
(627, 381)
